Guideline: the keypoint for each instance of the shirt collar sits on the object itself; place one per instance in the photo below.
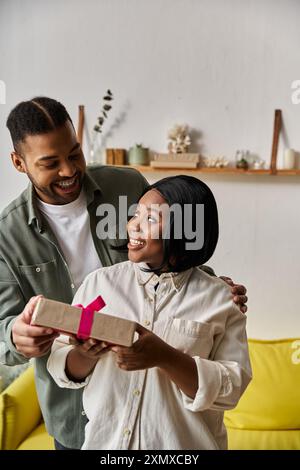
(90, 187)
(176, 279)
(33, 212)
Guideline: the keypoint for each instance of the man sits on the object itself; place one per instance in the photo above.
(49, 243)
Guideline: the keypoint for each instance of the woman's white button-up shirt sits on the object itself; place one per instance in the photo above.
(193, 312)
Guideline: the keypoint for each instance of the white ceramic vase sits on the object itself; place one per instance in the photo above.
(289, 159)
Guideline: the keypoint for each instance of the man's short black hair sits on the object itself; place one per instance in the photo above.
(182, 190)
(37, 116)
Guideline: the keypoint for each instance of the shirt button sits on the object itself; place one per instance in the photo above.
(126, 432)
(146, 322)
(37, 270)
(136, 392)
(83, 413)
(72, 285)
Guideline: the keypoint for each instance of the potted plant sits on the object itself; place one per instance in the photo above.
(97, 149)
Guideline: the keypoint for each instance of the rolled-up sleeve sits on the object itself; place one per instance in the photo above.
(61, 347)
(56, 364)
(223, 378)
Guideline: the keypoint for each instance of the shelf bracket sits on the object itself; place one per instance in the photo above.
(276, 134)
(80, 123)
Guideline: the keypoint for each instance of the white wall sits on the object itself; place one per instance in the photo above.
(222, 66)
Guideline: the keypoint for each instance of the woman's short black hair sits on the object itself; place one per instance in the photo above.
(183, 190)
(37, 116)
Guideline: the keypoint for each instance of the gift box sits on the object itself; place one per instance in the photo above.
(84, 322)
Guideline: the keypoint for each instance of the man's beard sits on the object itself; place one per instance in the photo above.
(49, 192)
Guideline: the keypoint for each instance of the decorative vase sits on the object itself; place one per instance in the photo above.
(97, 151)
(289, 159)
(242, 164)
(138, 155)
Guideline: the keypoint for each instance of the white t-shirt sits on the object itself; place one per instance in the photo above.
(70, 224)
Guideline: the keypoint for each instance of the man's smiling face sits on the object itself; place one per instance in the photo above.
(54, 163)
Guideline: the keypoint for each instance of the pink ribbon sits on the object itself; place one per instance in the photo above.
(87, 317)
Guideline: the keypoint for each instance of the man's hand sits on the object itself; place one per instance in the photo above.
(31, 340)
(148, 351)
(238, 292)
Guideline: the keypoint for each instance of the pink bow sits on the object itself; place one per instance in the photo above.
(87, 317)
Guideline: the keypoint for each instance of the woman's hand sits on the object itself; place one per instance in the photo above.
(90, 348)
(151, 351)
(82, 359)
(148, 351)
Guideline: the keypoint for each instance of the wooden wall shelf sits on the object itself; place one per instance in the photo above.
(288, 172)
(273, 171)
(223, 171)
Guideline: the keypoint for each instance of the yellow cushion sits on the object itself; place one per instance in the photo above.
(272, 400)
(39, 439)
(244, 439)
(20, 411)
(1, 420)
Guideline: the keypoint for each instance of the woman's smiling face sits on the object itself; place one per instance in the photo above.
(145, 230)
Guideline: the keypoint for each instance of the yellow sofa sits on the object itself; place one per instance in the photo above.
(267, 416)
(21, 424)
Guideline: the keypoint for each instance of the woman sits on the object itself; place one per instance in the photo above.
(190, 362)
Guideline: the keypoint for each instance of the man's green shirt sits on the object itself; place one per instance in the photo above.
(31, 263)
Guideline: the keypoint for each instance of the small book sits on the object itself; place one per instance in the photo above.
(166, 164)
(177, 157)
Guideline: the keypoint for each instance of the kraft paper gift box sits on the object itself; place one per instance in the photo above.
(84, 322)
